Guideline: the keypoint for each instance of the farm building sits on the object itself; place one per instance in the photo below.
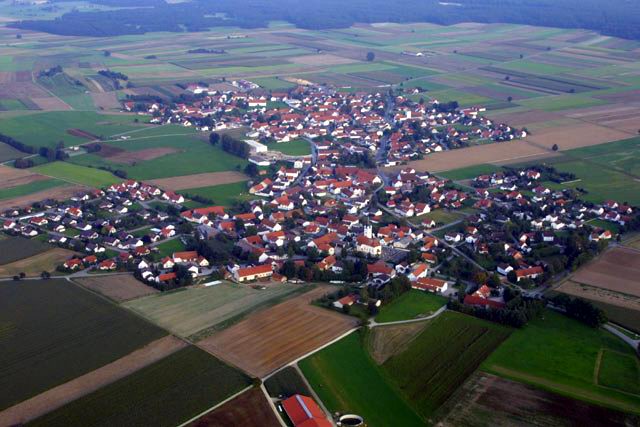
(248, 274)
(304, 412)
(429, 284)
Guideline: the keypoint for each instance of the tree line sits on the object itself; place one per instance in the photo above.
(230, 145)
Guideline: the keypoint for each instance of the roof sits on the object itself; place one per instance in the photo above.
(476, 300)
(304, 412)
(252, 271)
(524, 272)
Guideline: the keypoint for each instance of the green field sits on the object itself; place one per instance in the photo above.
(169, 247)
(33, 187)
(561, 102)
(53, 331)
(9, 153)
(441, 358)
(191, 311)
(347, 380)
(165, 393)
(76, 174)
(65, 88)
(297, 147)
(560, 354)
(16, 248)
(223, 194)
(620, 371)
(469, 172)
(410, 305)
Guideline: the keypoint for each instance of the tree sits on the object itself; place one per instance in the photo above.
(214, 138)
(371, 56)
(510, 98)
(555, 147)
(251, 169)
(106, 53)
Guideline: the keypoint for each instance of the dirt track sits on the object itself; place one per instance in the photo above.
(81, 386)
(276, 336)
(198, 180)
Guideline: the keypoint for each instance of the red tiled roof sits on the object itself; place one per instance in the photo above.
(304, 412)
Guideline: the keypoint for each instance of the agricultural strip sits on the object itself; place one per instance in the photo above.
(247, 409)
(35, 265)
(198, 180)
(121, 287)
(410, 305)
(14, 249)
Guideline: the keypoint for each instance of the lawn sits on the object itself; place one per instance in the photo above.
(410, 305)
(442, 216)
(297, 147)
(169, 247)
(195, 310)
(165, 393)
(53, 331)
(16, 248)
(76, 174)
(223, 194)
(559, 354)
(33, 187)
(470, 172)
(347, 380)
(441, 358)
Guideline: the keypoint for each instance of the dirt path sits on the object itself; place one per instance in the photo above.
(61, 395)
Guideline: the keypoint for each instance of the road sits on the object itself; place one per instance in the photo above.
(374, 324)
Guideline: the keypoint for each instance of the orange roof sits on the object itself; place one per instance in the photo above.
(186, 255)
(304, 412)
(167, 276)
(252, 271)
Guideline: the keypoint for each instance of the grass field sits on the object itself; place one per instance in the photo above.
(53, 331)
(9, 153)
(33, 187)
(410, 305)
(435, 364)
(16, 248)
(470, 172)
(165, 393)
(297, 147)
(223, 194)
(75, 174)
(169, 247)
(348, 381)
(189, 311)
(619, 371)
(560, 354)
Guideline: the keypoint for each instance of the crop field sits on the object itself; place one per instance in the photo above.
(297, 147)
(54, 331)
(36, 264)
(60, 193)
(244, 410)
(224, 194)
(286, 382)
(33, 187)
(388, 340)
(433, 366)
(486, 399)
(11, 177)
(119, 288)
(198, 180)
(410, 305)
(9, 153)
(190, 311)
(165, 393)
(617, 270)
(271, 338)
(348, 381)
(561, 355)
(76, 174)
(14, 249)
(469, 172)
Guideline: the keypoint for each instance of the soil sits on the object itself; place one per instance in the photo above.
(11, 177)
(198, 180)
(33, 266)
(122, 287)
(57, 193)
(617, 270)
(244, 410)
(387, 341)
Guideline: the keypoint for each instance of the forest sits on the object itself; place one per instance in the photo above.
(614, 18)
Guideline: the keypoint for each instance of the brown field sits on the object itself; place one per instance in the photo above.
(244, 410)
(57, 193)
(33, 266)
(321, 60)
(274, 337)
(11, 177)
(49, 103)
(59, 396)
(119, 155)
(105, 100)
(576, 136)
(82, 134)
(617, 270)
(121, 287)
(487, 400)
(387, 341)
(198, 180)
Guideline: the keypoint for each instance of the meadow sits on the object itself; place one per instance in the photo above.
(562, 355)
(297, 147)
(347, 380)
(410, 305)
(223, 194)
(53, 331)
(165, 393)
(76, 174)
(33, 187)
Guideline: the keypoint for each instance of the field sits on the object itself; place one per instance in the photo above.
(617, 270)
(54, 331)
(347, 380)
(489, 400)
(69, 391)
(389, 340)
(297, 147)
(57, 193)
(164, 393)
(433, 366)
(33, 187)
(561, 355)
(244, 410)
(223, 194)
(118, 288)
(410, 305)
(195, 310)
(198, 180)
(77, 174)
(286, 382)
(470, 172)
(14, 249)
(36, 264)
(271, 338)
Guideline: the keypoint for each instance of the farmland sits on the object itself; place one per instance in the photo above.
(271, 338)
(33, 187)
(164, 393)
(410, 305)
(16, 248)
(118, 288)
(297, 147)
(560, 354)
(36, 264)
(79, 175)
(617, 270)
(82, 333)
(433, 366)
(223, 194)
(286, 382)
(250, 406)
(347, 380)
(189, 311)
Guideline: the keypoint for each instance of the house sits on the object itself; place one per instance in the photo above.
(529, 273)
(504, 269)
(479, 301)
(108, 264)
(429, 284)
(166, 277)
(346, 301)
(73, 264)
(248, 274)
(304, 412)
